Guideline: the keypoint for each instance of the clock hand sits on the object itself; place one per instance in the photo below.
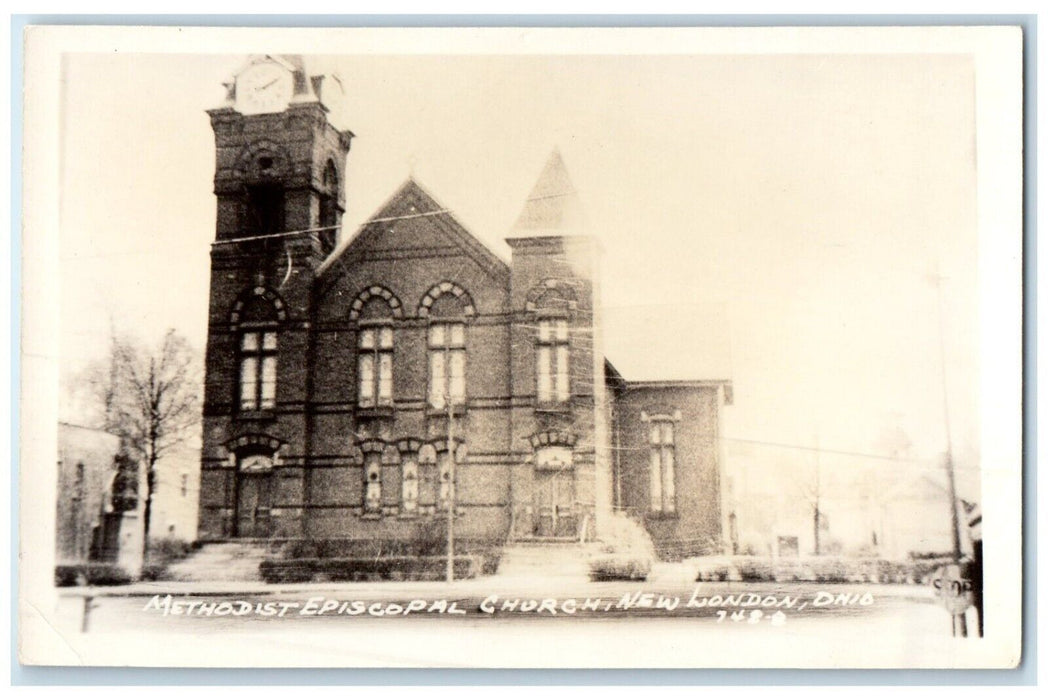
(263, 87)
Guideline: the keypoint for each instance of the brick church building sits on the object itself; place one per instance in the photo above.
(358, 386)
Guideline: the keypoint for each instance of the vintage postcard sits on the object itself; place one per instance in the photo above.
(521, 347)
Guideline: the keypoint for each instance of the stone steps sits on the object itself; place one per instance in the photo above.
(224, 561)
(537, 560)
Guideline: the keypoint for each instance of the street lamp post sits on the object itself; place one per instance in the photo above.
(450, 573)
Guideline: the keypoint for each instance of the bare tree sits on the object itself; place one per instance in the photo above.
(150, 398)
(810, 488)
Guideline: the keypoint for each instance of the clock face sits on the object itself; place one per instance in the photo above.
(264, 87)
(256, 463)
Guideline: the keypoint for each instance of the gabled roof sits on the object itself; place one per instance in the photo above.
(412, 201)
(553, 207)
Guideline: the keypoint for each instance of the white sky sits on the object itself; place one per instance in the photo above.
(769, 219)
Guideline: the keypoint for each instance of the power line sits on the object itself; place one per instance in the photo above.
(317, 229)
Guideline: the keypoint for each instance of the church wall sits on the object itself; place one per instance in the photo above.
(697, 517)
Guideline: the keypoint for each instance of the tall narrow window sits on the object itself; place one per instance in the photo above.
(265, 209)
(552, 371)
(373, 483)
(375, 366)
(663, 481)
(409, 486)
(329, 208)
(447, 364)
(258, 370)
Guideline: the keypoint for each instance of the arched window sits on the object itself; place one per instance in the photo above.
(409, 485)
(263, 165)
(256, 318)
(551, 303)
(447, 305)
(329, 207)
(373, 482)
(374, 309)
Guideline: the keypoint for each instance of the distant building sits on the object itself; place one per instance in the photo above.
(358, 388)
(98, 512)
(866, 507)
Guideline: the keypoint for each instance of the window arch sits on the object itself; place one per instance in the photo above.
(256, 300)
(374, 291)
(553, 449)
(551, 294)
(465, 306)
(244, 447)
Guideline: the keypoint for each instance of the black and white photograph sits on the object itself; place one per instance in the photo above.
(519, 347)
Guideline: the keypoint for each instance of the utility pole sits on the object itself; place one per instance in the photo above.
(450, 574)
(818, 494)
(960, 624)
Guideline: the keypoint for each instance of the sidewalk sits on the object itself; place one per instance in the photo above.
(664, 578)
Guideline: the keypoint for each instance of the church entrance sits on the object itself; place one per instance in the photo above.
(253, 505)
(555, 514)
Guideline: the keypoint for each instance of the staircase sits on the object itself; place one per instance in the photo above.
(221, 561)
(540, 559)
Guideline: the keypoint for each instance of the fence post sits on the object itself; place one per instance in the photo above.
(85, 619)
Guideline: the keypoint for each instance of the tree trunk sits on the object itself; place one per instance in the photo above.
(147, 511)
(817, 526)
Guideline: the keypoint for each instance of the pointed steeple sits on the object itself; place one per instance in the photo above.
(553, 207)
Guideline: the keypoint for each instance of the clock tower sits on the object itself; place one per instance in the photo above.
(279, 174)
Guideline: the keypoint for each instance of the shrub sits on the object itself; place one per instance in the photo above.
(168, 549)
(619, 567)
(366, 569)
(92, 574)
(712, 569)
(433, 544)
(153, 571)
(929, 555)
(817, 569)
(287, 570)
(755, 569)
(490, 559)
(300, 549)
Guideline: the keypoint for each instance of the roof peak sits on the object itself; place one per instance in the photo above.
(553, 207)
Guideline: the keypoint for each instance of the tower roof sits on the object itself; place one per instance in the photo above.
(553, 207)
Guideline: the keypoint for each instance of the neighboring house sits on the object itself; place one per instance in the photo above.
(359, 388)
(98, 511)
(176, 494)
